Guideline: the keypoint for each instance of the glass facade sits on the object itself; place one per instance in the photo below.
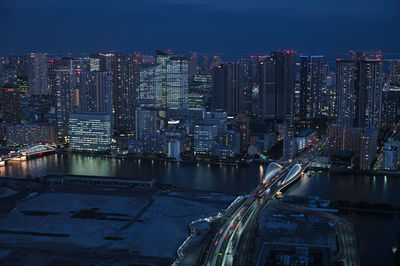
(90, 132)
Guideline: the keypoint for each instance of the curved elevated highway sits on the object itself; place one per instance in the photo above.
(230, 245)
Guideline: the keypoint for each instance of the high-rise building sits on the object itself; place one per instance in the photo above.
(150, 88)
(243, 125)
(205, 139)
(176, 82)
(290, 148)
(90, 131)
(95, 92)
(394, 74)
(161, 58)
(390, 107)
(192, 66)
(97, 62)
(125, 86)
(205, 64)
(217, 118)
(145, 123)
(359, 93)
(229, 86)
(311, 82)
(146, 138)
(11, 105)
(346, 138)
(29, 133)
(64, 96)
(216, 60)
(37, 74)
(368, 148)
(277, 83)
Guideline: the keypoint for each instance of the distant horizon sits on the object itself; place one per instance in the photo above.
(222, 26)
(244, 54)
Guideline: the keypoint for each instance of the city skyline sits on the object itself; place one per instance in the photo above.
(200, 132)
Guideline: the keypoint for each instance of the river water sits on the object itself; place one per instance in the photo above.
(375, 233)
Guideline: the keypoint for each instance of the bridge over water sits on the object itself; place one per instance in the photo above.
(26, 152)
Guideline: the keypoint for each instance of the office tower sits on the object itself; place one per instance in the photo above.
(229, 85)
(205, 64)
(217, 118)
(277, 82)
(90, 131)
(394, 74)
(97, 62)
(146, 138)
(11, 105)
(95, 92)
(161, 58)
(192, 65)
(145, 123)
(125, 85)
(204, 138)
(176, 82)
(64, 91)
(150, 87)
(311, 82)
(196, 100)
(37, 74)
(368, 148)
(216, 60)
(359, 93)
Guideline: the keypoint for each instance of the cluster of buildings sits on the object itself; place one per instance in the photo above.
(175, 106)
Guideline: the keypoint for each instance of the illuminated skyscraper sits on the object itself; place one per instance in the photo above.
(394, 74)
(11, 105)
(277, 82)
(64, 97)
(311, 82)
(150, 88)
(95, 92)
(161, 58)
(125, 74)
(37, 74)
(176, 81)
(229, 86)
(359, 92)
(192, 65)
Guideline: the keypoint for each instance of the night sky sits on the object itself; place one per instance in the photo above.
(210, 26)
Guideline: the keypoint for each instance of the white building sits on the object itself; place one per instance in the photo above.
(174, 149)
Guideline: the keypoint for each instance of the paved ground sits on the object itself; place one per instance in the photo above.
(56, 225)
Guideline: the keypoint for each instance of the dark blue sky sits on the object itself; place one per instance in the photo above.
(228, 26)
